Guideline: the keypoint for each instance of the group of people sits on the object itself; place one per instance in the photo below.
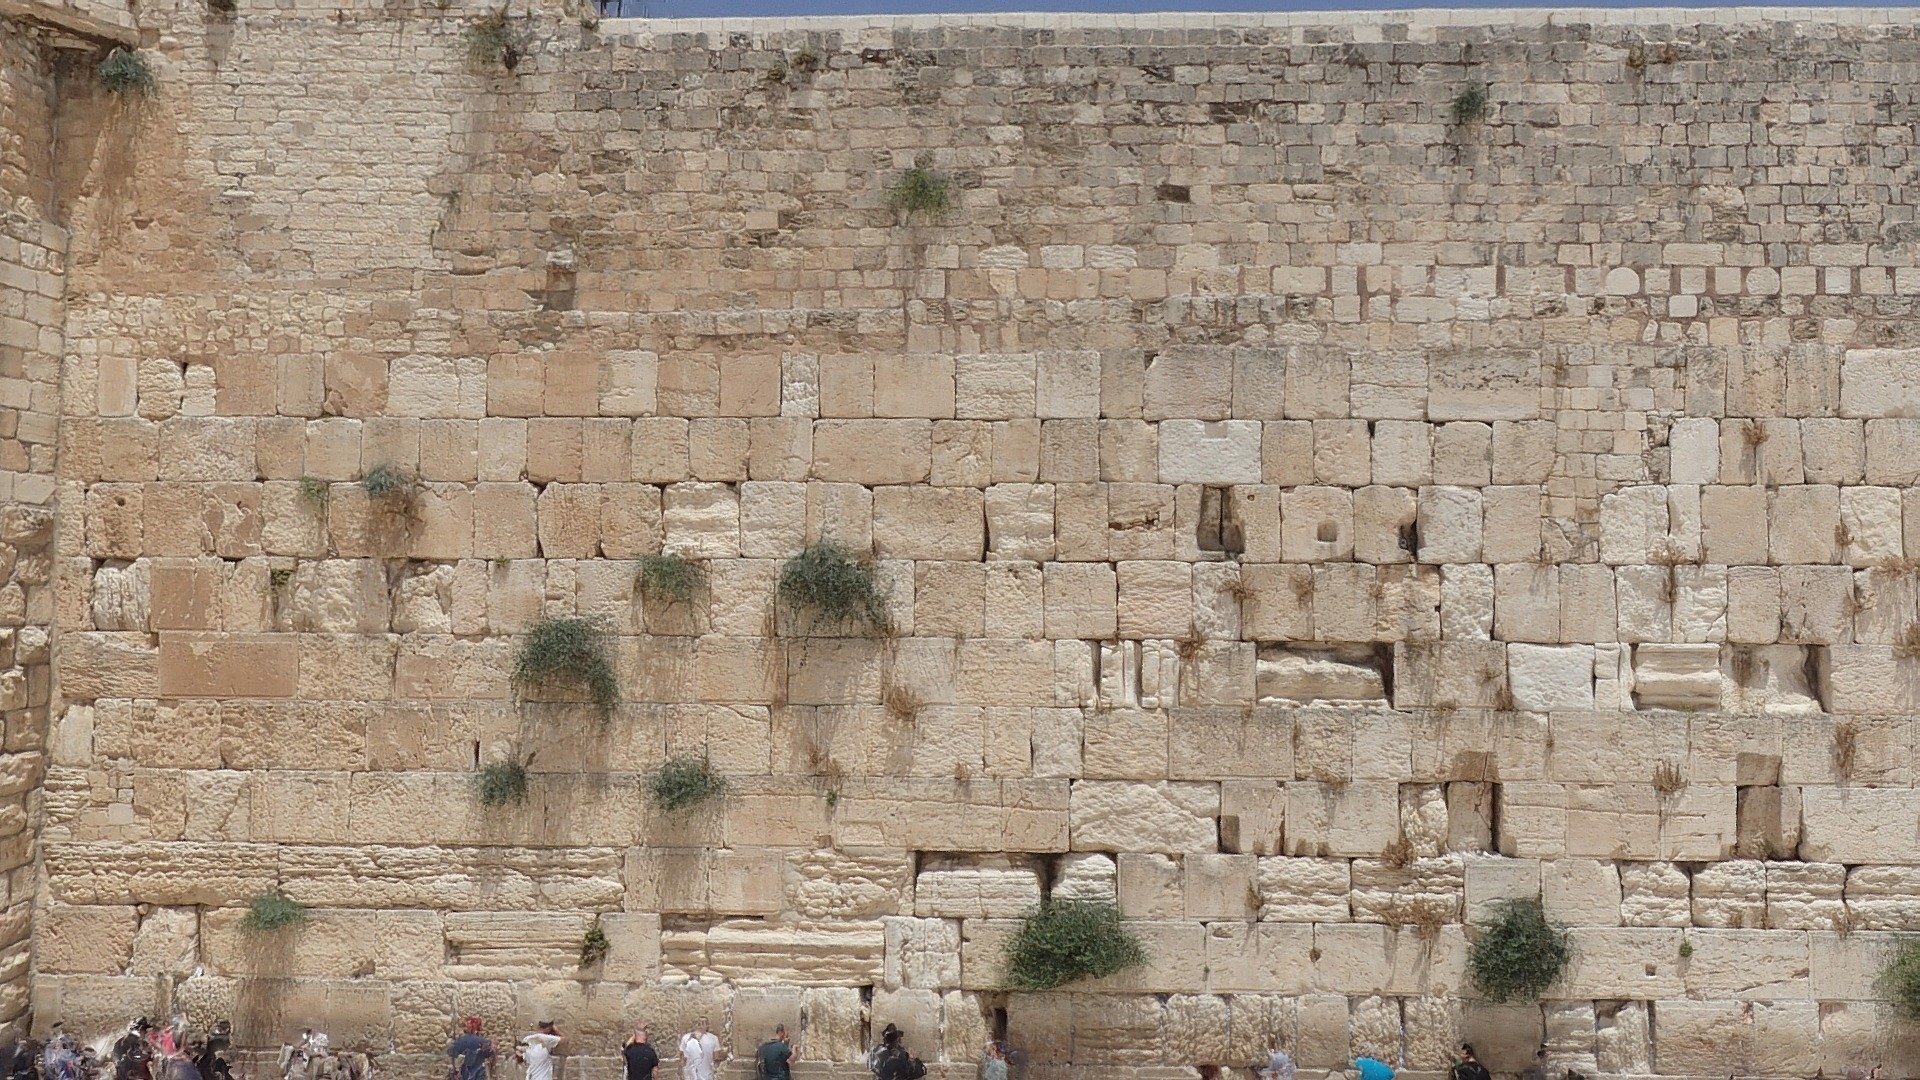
(472, 1054)
(147, 1051)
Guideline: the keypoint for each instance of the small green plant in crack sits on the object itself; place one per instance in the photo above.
(685, 782)
(1516, 954)
(223, 7)
(670, 578)
(501, 562)
(269, 911)
(1470, 106)
(567, 653)
(491, 40)
(502, 783)
(126, 72)
(1063, 941)
(1900, 978)
(833, 588)
(315, 492)
(595, 946)
(807, 59)
(386, 482)
(920, 190)
(278, 579)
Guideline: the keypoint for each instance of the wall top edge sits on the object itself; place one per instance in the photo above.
(1412, 19)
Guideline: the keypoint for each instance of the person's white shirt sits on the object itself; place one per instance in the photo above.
(696, 1055)
(537, 1049)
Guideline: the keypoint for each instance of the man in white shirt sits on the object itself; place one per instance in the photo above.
(536, 1049)
(699, 1052)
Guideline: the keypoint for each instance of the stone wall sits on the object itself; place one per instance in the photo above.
(1305, 518)
(33, 250)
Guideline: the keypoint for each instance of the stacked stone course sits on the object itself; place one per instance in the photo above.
(1306, 522)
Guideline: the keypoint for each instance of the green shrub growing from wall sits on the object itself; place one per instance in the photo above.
(270, 911)
(595, 946)
(685, 782)
(1900, 978)
(670, 578)
(567, 653)
(125, 71)
(833, 588)
(490, 41)
(502, 783)
(1064, 941)
(1517, 953)
(921, 190)
(1470, 106)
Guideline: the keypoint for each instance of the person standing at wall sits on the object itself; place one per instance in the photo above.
(994, 1065)
(774, 1059)
(639, 1056)
(472, 1052)
(699, 1053)
(536, 1049)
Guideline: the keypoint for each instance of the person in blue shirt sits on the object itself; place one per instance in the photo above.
(1373, 1069)
(472, 1051)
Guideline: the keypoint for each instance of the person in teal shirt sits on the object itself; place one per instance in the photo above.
(1373, 1069)
(776, 1056)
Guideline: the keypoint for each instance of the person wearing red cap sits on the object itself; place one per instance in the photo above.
(471, 1053)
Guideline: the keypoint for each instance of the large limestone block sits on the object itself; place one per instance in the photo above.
(1683, 677)
(1301, 890)
(872, 452)
(1319, 676)
(1749, 965)
(1730, 894)
(1581, 892)
(160, 873)
(847, 884)
(1492, 880)
(457, 879)
(1550, 678)
(755, 953)
(1805, 896)
(1120, 816)
(1450, 525)
(1883, 897)
(1484, 384)
(1368, 958)
(1245, 957)
(514, 945)
(1622, 962)
(1086, 876)
(72, 940)
(990, 887)
(1342, 819)
(1880, 382)
(1694, 1037)
(936, 815)
(1210, 452)
(1196, 1028)
(921, 953)
(1655, 894)
(1860, 825)
(1219, 887)
(168, 940)
(1425, 892)
(199, 666)
(89, 1004)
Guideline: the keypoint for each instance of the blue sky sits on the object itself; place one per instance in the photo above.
(700, 8)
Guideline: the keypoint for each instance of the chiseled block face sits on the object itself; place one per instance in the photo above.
(630, 523)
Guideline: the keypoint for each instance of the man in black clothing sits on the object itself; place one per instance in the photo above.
(895, 1063)
(1468, 1067)
(640, 1056)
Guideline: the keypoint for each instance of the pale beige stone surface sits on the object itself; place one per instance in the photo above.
(1305, 551)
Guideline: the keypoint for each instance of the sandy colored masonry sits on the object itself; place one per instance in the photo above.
(1308, 518)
